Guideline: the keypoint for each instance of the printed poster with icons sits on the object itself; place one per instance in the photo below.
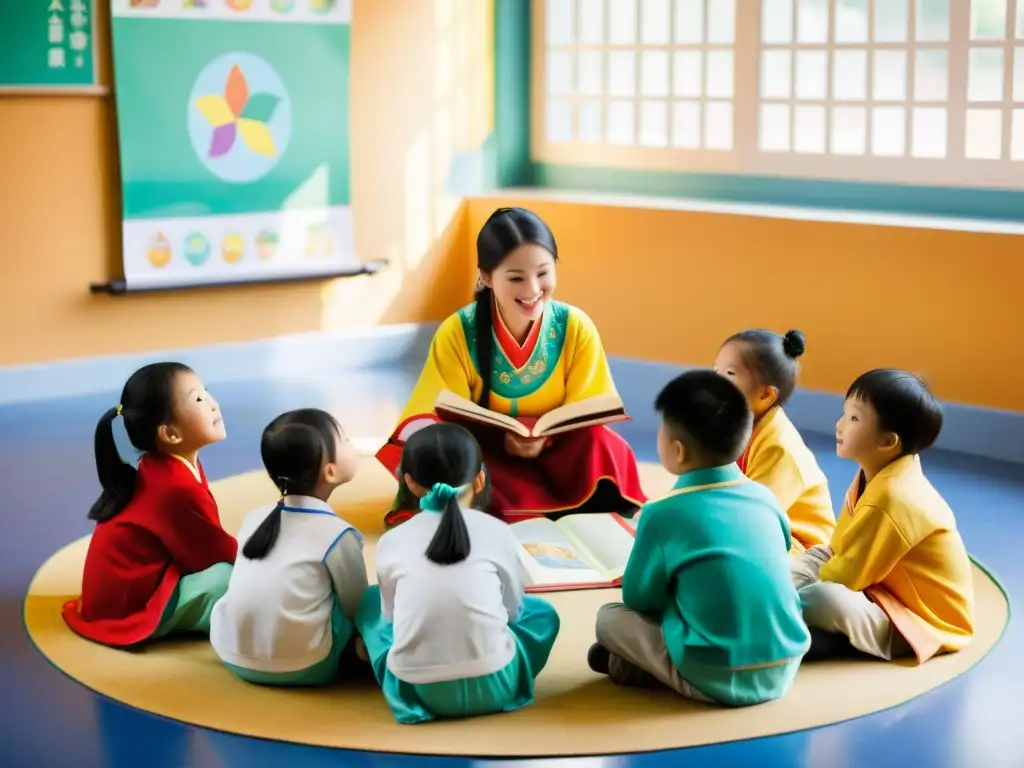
(233, 121)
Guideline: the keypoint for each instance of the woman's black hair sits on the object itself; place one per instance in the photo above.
(505, 230)
(904, 406)
(444, 458)
(147, 403)
(294, 447)
(772, 357)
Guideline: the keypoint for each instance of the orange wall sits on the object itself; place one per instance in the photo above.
(60, 206)
(945, 304)
(671, 285)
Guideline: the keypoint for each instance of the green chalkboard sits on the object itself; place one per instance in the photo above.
(47, 45)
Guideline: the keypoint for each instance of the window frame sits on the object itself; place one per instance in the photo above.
(625, 157)
(746, 158)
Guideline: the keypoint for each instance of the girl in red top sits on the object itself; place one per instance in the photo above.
(159, 558)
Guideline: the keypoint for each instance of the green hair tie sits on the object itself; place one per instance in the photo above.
(438, 497)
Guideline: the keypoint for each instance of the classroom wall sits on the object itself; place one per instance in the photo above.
(418, 100)
(941, 303)
(670, 286)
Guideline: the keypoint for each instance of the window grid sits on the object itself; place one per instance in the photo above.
(995, 102)
(677, 108)
(943, 103)
(879, 86)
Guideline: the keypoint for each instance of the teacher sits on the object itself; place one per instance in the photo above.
(518, 352)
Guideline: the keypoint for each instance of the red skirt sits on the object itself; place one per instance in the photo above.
(587, 470)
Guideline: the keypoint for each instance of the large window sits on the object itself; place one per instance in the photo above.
(637, 83)
(917, 91)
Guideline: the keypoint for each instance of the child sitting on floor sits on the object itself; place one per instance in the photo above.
(158, 559)
(708, 608)
(896, 578)
(449, 630)
(763, 365)
(288, 615)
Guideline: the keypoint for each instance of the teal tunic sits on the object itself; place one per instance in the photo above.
(711, 560)
(506, 690)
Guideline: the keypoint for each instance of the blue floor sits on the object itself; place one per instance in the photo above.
(48, 477)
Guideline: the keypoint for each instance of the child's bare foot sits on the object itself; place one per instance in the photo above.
(361, 650)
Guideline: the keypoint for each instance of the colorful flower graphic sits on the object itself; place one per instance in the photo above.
(239, 118)
(239, 114)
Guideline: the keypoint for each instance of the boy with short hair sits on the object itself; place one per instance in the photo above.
(896, 579)
(708, 606)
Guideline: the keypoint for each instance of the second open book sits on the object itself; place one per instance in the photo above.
(581, 551)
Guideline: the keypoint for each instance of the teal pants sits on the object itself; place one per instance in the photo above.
(322, 673)
(506, 690)
(188, 611)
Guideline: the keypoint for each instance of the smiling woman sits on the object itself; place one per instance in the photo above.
(518, 352)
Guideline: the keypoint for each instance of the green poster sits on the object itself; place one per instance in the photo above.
(46, 45)
(234, 138)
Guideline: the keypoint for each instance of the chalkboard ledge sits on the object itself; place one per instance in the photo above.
(122, 288)
(54, 90)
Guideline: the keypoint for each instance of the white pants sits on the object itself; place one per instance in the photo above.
(834, 608)
(638, 652)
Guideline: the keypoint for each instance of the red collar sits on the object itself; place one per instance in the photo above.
(519, 356)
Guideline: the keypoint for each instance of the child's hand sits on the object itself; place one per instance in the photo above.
(805, 566)
(822, 553)
(524, 447)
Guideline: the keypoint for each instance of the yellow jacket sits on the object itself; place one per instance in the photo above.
(778, 458)
(567, 365)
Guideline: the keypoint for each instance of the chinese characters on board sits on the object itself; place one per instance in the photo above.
(67, 33)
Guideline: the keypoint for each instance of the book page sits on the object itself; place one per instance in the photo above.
(549, 557)
(450, 403)
(601, 409)
(603, 539)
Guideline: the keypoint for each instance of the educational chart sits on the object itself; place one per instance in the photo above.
(233, 120)
(47, 45)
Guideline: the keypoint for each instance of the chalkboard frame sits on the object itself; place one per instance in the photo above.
(95, 88)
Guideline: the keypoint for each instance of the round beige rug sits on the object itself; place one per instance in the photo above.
(576, 711)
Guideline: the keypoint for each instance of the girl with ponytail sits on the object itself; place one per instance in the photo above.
(448, 628)
(288, 615)
(158, 559)
(517, 351)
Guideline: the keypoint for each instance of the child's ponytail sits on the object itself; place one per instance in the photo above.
(147, 402)
(116, 477)
(263, 538)
(450, 544)
(294, 448)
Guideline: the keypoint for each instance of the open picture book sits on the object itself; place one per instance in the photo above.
(580, 551)
(601, 409)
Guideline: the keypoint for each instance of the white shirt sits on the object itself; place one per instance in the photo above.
(276, 614)
(450, 622)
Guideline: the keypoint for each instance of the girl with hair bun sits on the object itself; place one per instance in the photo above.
(448, 628)
(517, 351)
(763, 364)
